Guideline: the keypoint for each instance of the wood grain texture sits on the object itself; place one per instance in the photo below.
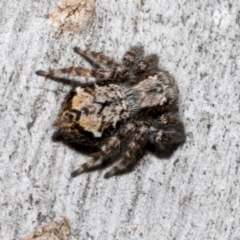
(195, 194)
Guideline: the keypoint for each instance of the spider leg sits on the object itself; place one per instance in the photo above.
(149, 63)
(162, 136)
(97, 58)
(76, 71)
(171, 121)
(169, 129)
(91, 61)
(132, 56)
(107, 149)
(133, 148)
(99, 74)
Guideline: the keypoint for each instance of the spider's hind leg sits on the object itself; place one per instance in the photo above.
(134, 147)
(76, 71)
(97, 58)
(102, 75)
(107, 149)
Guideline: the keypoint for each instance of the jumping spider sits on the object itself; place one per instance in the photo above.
(128, 107)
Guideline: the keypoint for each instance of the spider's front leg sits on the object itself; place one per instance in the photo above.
(132, 56)
(108, 148)
(148, 63)
(170, 130)
(132, 149)
(134, 60)
(172, 121)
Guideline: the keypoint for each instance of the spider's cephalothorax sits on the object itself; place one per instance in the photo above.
(129, 105)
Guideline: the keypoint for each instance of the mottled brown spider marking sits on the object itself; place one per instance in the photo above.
(81, 99)
(97, 108)
(128, 107)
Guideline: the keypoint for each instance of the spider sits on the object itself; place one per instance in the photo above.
(128, 107)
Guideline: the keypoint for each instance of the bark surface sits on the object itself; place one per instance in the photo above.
(194, 194)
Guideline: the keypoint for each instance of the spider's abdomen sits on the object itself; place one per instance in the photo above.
(94, 108)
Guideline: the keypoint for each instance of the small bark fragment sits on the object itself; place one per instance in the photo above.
(51, 231)
(73, 15)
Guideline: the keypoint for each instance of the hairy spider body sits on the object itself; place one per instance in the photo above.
(129, 106)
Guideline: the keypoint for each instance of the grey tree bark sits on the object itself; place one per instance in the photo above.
(194, 194)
